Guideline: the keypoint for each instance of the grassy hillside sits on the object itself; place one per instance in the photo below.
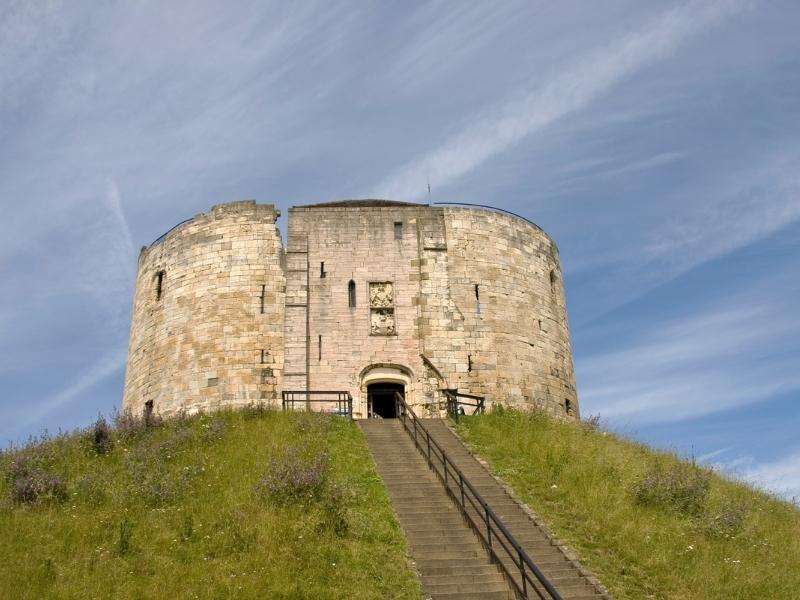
(249, 504)
(647, 524)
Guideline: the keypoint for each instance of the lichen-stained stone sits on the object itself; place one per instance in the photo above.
(444, 298)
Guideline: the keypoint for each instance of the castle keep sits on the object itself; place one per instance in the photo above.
(366, 296)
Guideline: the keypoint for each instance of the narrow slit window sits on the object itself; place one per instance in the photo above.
(469, 363)
(568, 406)
(319, 349)
(552, 281)
(263, 293)
(477, 300)
(264, 355)
(148, 411)
(351, 294)
(322, 273)
(160, 284)
(398, 230)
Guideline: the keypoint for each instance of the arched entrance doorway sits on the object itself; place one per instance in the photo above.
(379, 384)
(381, 399)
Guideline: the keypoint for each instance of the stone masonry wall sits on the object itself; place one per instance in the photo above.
(456, 298)
(355, 244)
(514, 349)
(206, 342)
(516, 346)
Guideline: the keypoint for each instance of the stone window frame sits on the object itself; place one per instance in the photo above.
(159, 278)
(352, 294)
(393, 307)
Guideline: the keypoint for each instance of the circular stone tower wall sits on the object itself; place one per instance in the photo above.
(505, 279)
(207, 323)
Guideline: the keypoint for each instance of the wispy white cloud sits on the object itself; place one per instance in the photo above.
(704, 363)
(97, 266)
(763, 201)
(723, 215)
(114, 203)
(781, 476)
(98, 372)
(650, 162)
(571, 90)
(709, 455)
(446, 37)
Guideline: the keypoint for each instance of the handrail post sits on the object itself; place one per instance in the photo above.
(522, 574)
(488, 527)
(461, 487)
(428, 438)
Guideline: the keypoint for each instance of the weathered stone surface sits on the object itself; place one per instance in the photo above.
(200, 344)
(457, 298)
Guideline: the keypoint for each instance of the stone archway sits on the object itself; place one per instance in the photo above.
(379, 383)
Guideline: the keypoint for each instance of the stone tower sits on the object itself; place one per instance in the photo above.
(366, 293)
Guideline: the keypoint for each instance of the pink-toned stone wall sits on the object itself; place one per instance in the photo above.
(516, 350)
(358, 244)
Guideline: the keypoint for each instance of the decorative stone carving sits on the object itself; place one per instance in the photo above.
(381, 311)
(382, 321)
(381, 294)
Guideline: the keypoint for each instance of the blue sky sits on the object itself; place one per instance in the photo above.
(658, 143)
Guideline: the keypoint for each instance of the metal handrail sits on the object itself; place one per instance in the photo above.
(457, 400)
(490, 527)
(161, 238)
(495, 208)
(343, 400)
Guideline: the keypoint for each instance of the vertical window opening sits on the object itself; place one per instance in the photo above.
(398, 230)
(568, 406)
(552, 281)
(322, 270)
(148, 411)
(319, 357)
(477, 300)
(469, 363)
(263, 292)
(351, 294)
(159, 284)
(264, 354)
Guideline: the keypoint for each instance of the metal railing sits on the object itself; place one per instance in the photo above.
(494, 208)
(163, 236)
(493, 533)
(463, 404)
(335, 402)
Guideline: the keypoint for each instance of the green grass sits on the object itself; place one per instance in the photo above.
(647, 524)
(172, 512)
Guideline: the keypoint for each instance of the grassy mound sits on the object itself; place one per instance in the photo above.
(247, 504)
(647, 524)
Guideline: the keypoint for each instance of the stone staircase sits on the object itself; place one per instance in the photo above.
(449, 556)
(569, 579)
(450, 559)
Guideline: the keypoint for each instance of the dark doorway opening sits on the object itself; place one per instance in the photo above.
(381, 399)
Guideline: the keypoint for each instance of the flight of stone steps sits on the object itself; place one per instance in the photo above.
(448, 555)
(562, 572)
(449, 558)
